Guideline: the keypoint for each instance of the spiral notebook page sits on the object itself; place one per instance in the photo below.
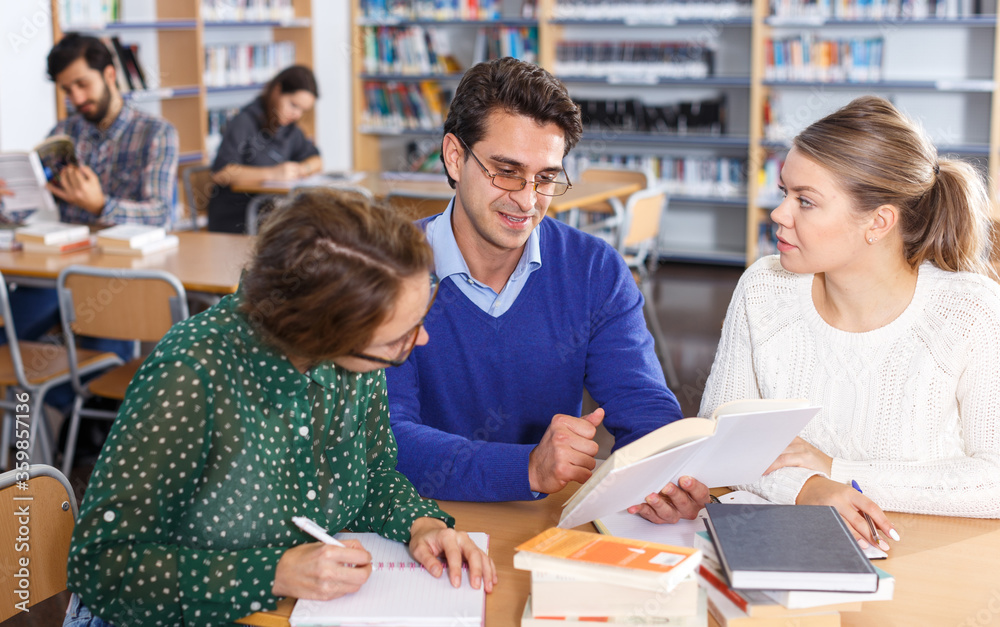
(399, 593)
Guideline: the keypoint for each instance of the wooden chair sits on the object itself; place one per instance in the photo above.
(32, 369)
(614, 208)
(639, 231)
(416, 205)
(198, 190)
(49, 518)
(136, 305)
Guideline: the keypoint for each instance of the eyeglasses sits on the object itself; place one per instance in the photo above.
(511, 183)
(409, 341)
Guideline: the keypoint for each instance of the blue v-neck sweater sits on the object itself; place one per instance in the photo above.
(468, 408)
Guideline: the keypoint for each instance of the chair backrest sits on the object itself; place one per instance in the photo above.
(13, 345)
(641, 224)
(416, 206)
(120, 304)
(36, 523)
(612, 175)
(198, 190)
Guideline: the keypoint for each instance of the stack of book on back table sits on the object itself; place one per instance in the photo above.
(586, 577)
(135, 240)
(53, 237)
(772, 565)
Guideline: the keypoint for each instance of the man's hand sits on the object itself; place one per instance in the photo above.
(431, 539)
(566, 452)
(804, 455)
(674, 502)
(321, 571)
(79, 185)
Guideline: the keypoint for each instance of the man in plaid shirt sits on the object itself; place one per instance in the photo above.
(128, 159)
(127, 173)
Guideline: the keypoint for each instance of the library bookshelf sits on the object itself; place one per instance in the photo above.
(174, 40)
(721, 216)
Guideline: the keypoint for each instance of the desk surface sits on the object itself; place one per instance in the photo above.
(945, 568)
(580, 195)
(203, 262)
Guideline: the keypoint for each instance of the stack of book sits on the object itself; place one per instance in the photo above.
(135, 240)
(773, 565)
(586, 577)
(53, 238)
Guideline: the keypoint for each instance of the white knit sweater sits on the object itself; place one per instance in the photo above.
(910, 410)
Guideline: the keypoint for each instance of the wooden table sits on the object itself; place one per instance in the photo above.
(580, 195)
(203, 262)
(945, 568)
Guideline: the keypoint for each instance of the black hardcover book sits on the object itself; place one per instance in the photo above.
(788, 547)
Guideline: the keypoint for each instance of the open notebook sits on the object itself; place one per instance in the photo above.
(399, 593)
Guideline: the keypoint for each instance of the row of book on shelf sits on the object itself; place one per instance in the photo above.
(407, 50)
(57, 238)
(713, 177)
(247, 10)
(129, 72)
(707, 116)
(652, 11)
(809, 57)
(881, 9)
(438, 9)
(90, 13)
(634, 60)
(246, 64)
(398, 105)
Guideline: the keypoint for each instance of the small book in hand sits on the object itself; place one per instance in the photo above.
(788, 547)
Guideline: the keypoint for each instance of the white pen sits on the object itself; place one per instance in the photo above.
(315, 531)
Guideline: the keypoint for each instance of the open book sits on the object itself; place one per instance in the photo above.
(26, 173)
(399, 592)
(735, 445)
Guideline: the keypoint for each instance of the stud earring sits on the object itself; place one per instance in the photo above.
(871, 240)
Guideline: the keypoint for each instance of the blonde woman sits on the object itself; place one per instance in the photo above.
(880, 307)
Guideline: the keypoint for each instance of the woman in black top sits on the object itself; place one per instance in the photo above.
(263, 142)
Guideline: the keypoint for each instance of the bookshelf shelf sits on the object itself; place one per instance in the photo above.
(706, 255)
(411, 77)
(150, 95)
(515, 22)
(721, 201)
(296, 23)
(970, 150)
(944, 85)
(631, 81)
(824, 22)
(186, 158)
(400, 132)
(231, 88)
(665, 139)
(721, 22)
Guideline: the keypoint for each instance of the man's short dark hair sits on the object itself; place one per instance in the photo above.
(75, 46)
(512, 86)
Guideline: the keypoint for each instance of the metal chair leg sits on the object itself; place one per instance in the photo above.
(662, 350)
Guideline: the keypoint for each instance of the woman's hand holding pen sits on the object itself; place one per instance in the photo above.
(431, 539)
(288, 171)
(322, 571)
(852, 506)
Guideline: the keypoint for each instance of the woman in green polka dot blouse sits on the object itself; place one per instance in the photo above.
(269, 405)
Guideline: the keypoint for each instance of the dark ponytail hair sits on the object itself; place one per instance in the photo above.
(288, 81)
(883, 158)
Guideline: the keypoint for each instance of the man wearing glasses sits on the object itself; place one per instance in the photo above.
(529, 312)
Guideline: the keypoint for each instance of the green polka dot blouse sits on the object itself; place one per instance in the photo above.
(219, 442)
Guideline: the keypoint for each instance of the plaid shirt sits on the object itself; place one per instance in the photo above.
(136, 162)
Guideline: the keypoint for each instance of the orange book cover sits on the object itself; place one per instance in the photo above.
(594, 548)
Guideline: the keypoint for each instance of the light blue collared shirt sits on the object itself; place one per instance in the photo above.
(449, 262)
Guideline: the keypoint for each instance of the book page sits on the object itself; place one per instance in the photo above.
(22, 173)
(399, 592)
